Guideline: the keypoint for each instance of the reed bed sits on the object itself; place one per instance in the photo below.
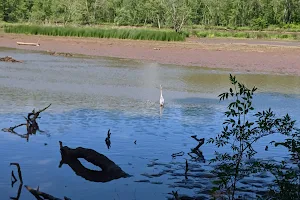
(248, 34)
(121, 33)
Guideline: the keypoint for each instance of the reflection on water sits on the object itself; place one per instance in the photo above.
(91, 96)
(109, 170)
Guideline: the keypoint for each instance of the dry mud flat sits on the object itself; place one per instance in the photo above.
(238, 55)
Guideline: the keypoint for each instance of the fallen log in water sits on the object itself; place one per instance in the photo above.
(42, 195)
(110, 170)
(9, 59)
(28, 43)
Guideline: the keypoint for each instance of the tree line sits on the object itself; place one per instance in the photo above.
(157, 13)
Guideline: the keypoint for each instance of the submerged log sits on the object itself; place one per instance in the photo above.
(28, 43)
(110, 170)
(9, 59)
(42, 195)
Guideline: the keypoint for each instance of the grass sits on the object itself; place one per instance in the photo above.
(245, 34)
(121, 33)
(136, 33)
(284, 28)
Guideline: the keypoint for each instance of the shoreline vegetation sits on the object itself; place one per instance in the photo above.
(148, 33)
(161, 20)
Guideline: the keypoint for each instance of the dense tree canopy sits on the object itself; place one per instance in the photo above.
(171, 13)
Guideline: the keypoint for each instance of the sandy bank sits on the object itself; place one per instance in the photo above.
(239, 55)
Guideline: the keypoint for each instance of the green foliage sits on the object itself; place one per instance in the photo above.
(237, 14)
(258, 24)
(136, 34)
(240, 133)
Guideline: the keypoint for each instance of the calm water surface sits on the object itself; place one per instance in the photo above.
(90, 96)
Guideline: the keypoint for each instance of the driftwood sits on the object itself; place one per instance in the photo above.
(9, 59)
(110, 170)
(28, 43)
(31, 124)
(42, 195)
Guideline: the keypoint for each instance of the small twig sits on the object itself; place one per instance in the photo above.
(19, 171)
(11, 129)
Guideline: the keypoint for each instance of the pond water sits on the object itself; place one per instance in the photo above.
(91, 95)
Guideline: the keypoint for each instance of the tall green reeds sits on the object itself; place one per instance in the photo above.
(135, 34)
(246, 34)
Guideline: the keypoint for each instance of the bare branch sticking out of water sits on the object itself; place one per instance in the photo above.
(19, 171)
(31, 124)
(42, 195)
(196, 149)
(11, 129)
(107, 139)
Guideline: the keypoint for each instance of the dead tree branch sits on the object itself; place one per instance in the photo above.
(199, 154)
(31, 124)
(107, 139)
(41, 195)
(19, 171)
(18, 194)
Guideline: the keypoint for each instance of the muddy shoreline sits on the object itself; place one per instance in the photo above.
(279, 57)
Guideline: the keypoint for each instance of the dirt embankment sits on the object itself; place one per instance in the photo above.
(238, 55)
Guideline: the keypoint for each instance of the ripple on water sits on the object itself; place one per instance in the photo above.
(90, 96)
